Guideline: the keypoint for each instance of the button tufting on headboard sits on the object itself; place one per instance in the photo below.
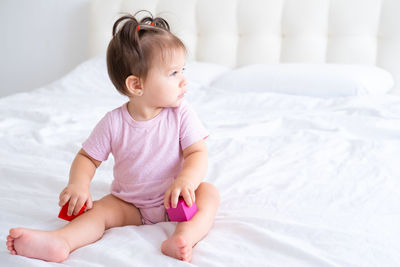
(241, 32)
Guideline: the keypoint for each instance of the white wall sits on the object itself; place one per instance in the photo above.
(41, 40)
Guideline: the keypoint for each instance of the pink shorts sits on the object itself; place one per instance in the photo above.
(154, 215)
(148, 197)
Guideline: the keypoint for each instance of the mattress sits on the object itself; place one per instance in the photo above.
(304, 181)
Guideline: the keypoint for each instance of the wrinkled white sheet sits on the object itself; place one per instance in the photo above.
(304, 181)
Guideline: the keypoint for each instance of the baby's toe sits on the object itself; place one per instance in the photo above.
(185, 254)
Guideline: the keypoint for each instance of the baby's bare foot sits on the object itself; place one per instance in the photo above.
(37, 244)
(177, 247)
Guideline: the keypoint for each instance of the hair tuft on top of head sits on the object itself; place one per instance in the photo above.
(123, 21)
(153, 21)
(160, 23)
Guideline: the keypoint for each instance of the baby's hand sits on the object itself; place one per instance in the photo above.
(180, 187)
(77, 195)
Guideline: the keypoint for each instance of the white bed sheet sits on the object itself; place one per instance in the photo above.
(304, 181)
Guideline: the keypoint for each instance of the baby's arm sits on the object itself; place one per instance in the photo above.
(193, 171)
(77, 191)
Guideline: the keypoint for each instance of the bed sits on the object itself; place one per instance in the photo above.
(305, 135)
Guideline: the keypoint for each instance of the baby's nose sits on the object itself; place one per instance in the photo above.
(184, 82)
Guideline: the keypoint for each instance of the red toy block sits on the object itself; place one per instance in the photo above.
(182, 212)
(64, 211)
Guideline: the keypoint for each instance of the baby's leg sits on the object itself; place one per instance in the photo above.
(87, 228)
(187, 234)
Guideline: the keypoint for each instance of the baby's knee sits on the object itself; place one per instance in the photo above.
(100, 204)
(212, 191)
(103, 206)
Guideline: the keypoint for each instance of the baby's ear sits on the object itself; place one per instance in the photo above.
(133, 85)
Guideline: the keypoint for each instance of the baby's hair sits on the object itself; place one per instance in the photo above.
(137, 45)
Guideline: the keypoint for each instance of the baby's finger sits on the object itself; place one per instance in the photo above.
(89, 203)
(62, 193)
(167, 197)
(64, 197)
(193, 195)
(79, 205)
(71, 206)
(187, 197)
(174, 197)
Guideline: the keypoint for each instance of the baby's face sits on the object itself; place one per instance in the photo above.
(165, 84)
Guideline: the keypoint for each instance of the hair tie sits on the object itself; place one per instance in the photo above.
(138, 27)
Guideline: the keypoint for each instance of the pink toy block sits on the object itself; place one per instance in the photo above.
(182, 212)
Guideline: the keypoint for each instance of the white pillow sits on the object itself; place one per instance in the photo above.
(323, 80)
(203, 73)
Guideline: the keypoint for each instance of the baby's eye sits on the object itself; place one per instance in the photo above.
(176, 72)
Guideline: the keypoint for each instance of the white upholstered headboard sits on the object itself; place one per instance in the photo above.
(240, 32)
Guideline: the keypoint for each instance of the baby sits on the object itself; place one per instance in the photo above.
(158, 145)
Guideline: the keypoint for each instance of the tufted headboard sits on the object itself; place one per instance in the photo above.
(240, 32)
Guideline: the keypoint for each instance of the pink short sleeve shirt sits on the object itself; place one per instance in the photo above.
(148, 154)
